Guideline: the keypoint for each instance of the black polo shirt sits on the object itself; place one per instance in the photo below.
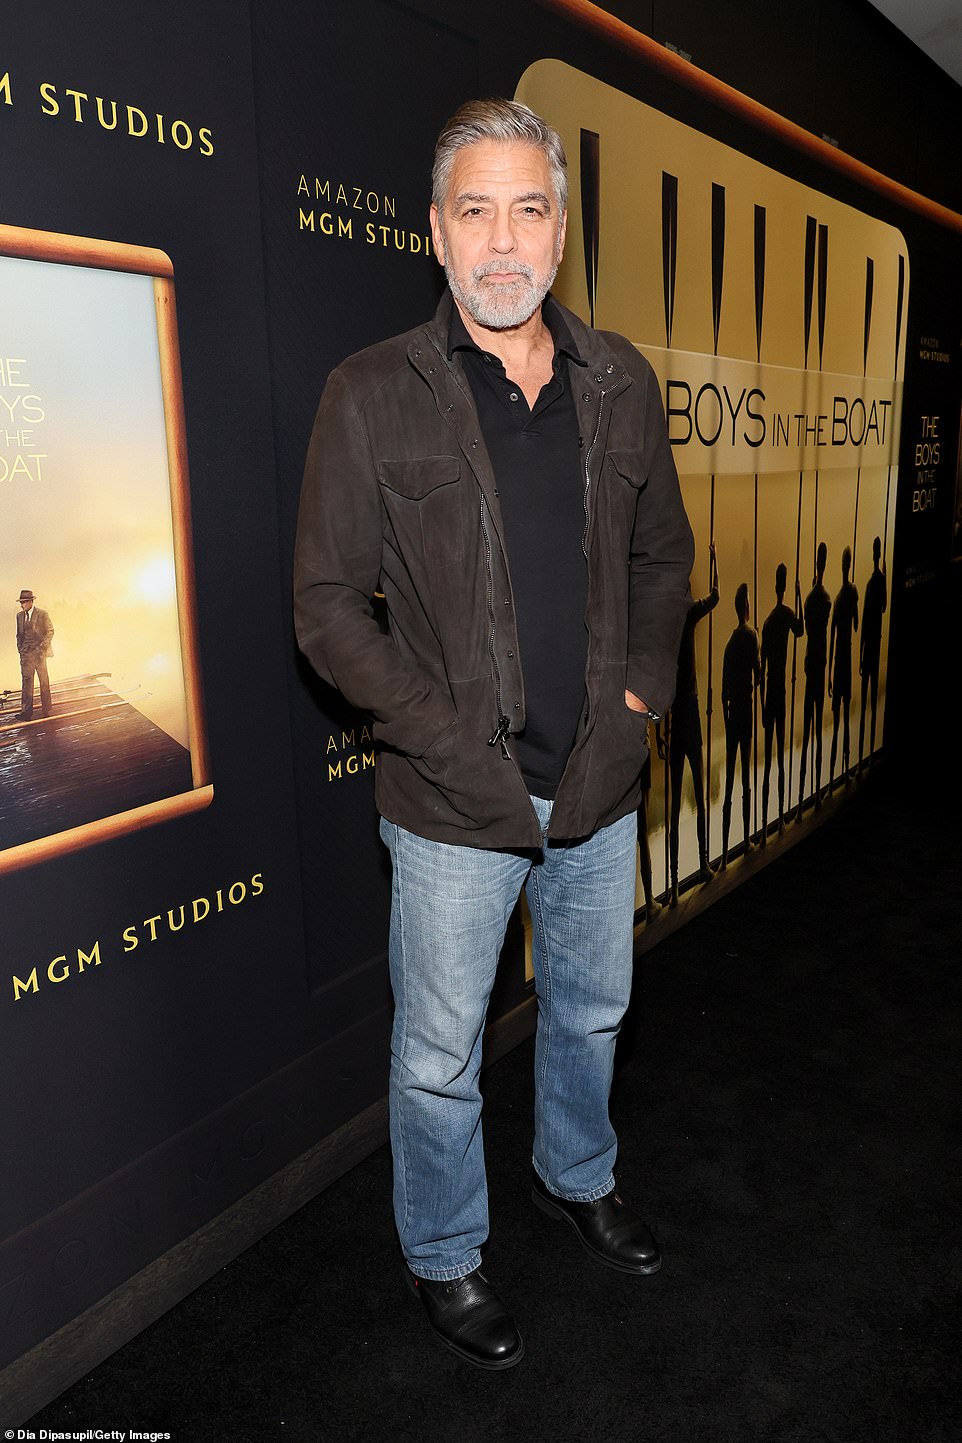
(537, 459)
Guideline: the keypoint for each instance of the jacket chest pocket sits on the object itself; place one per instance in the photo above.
(623, 480)
(628, 467)
(426, 504)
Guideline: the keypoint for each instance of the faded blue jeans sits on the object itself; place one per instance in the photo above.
(450, 908)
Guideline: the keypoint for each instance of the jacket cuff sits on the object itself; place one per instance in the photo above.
(643, 684)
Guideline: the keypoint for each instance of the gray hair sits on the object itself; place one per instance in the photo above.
(498, 120)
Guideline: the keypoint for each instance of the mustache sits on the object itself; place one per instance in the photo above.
(502, 268)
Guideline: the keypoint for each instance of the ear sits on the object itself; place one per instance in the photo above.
(436, 234)
(562, 232)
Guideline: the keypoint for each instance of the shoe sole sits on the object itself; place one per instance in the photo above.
(551, 1211)
(495, 1366)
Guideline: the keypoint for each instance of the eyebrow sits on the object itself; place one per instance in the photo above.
(473, 195)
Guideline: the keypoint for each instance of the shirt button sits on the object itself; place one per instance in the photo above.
(514, 395)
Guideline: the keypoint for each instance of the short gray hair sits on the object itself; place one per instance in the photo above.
(498, 120)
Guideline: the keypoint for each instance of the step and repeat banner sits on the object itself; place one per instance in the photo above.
(202, 211)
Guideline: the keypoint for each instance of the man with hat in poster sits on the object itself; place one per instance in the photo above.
(34, 635)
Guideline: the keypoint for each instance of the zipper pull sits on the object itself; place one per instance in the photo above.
(504, 726)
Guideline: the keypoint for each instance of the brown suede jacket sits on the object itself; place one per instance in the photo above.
(399, 496)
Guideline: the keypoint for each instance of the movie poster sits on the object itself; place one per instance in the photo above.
(104, 722)
(774, 317)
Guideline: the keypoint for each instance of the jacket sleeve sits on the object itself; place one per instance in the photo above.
(337, 564)
(662, 553)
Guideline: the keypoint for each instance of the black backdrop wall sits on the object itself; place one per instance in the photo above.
(198, 1050)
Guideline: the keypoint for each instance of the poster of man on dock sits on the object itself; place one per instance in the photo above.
(94, 544)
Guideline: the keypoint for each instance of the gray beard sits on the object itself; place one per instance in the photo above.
(500, 307)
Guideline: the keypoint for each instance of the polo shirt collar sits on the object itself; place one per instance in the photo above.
(564, 342)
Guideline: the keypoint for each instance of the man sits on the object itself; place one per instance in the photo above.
(34, 635)
(818, 607)
(741, 673)
(644, 846)
(843, 627)
(778, 626)
(685, 739)
(870, 649)
(503, 475)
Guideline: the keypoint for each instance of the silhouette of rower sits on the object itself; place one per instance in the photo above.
(780, 623)
(817, 610)
(741, 673)
(844, 626)
(644, 847)
(684, 736)
(870, 647)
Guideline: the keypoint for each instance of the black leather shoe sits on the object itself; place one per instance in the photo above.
(470, 1319)
(606, 1228)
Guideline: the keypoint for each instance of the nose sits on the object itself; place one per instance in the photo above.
(502, 239)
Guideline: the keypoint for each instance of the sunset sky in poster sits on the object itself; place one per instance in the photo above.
(85, 515)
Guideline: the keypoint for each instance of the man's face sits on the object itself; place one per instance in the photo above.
(500, 237)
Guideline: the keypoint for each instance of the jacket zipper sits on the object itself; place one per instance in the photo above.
(504, 723)
(584, 536)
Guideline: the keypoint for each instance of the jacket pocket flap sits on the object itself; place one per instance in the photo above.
(630, 466)
(418, 478)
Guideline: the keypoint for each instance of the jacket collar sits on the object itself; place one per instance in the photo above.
(592, 349)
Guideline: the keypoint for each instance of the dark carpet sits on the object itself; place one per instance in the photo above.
(787, 1104)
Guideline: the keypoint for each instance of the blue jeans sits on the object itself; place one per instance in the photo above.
(450, 908)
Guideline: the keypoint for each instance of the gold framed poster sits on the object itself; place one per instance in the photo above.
(102, 725)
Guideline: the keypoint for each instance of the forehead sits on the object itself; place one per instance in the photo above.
(510, 165)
